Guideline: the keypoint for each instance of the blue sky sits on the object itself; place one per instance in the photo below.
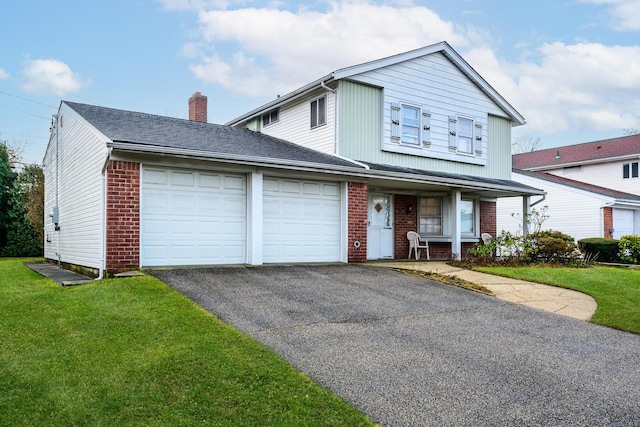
(571, 67)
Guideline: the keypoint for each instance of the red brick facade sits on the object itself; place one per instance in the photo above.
(123, 216)
(607, 219)
(405, 221)
(488, 223)
(358, 207)
(198, 108)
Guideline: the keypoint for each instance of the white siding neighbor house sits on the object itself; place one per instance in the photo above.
(593, 189)
(336, 171)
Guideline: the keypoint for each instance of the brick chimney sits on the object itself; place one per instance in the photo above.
(198, 107)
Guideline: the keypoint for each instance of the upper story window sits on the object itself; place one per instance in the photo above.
(318, 112)
(465, 136)
(270, 117)
(410, 124)
(630, 170)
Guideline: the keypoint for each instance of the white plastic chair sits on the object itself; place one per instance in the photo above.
(416, 243)
(486, 238)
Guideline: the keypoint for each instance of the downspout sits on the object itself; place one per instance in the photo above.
(56, 208)
(335, 115)
(103, 218)
(544, 196)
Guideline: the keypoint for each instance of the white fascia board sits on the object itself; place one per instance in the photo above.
(279, 101)
(235, 158)
(454, 57)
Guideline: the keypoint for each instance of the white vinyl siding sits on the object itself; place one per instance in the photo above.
(607, 174)
(81, 156)
(362, 136)
(574, 212)
(294, 124)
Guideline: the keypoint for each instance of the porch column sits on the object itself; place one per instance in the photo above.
(254, 218)
(456, 244)
(526, 210)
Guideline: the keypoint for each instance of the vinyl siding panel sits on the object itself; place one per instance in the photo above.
(294, 124)
(606, 174)
(81, 156)
(571, 211)
(436, 85)
(359, 120)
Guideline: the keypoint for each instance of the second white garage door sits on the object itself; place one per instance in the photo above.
(301, 221)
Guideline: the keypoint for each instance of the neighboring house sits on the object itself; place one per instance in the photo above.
(414, 142)
(593, 189)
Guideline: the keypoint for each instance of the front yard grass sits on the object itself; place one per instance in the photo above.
(616, 290)
(132, 351)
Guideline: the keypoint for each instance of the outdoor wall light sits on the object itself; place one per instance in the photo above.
(409, 209)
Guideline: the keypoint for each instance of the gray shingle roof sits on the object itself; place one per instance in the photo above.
(159, 131)
(620, 195)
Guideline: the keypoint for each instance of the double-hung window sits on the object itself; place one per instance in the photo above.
(410, 124)
(318, 112)
(630, 170)
(465, 135)
(270, 117)
(430, 214)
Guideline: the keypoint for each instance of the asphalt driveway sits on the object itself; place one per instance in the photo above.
(407, 351)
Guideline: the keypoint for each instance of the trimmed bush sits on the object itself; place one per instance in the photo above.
(607, 250)
(630, 248)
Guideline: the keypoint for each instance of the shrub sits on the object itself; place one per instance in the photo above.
(607, 250)
(550, 246)
(630, 249)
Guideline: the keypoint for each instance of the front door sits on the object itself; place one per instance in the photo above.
(380, 230)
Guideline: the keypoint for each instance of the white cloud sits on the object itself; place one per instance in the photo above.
(293, 48)
(50, 76)
(624, 13)
(3, 74)
(577, 86)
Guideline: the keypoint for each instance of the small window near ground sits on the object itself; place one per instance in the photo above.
(318, 112)
(430, 213)
(270, 117)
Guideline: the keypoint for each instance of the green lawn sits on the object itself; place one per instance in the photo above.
(616, 290)
(134, 352)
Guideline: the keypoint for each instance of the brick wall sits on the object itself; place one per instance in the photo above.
(123, 216)
(198, 107)
(404, 222)
(358, 206)
(488, 222)
(607, 216)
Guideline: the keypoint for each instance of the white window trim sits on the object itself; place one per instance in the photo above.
(397, 124)
(268, 114)
(447, 217)
(317, 101)
(476, 217)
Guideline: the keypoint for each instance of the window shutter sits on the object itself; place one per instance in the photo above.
(477, 143)
(395, 121)
(426, 128)
(453, 141)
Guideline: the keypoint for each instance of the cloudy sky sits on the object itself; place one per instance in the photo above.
(571, 67)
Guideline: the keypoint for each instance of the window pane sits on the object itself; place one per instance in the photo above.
(322, 111)
(625, 170)
(465, 127)
(430, 215)
(314, 114)
(466, 217)
(274, 116)
(410, 124)
(465, 145)
(634, 170)
(265, 119)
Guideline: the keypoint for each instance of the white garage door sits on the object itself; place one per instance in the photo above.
(192, 218)
(301, 221)
(622, 222)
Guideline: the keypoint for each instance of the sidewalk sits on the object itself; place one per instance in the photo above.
(543, 297)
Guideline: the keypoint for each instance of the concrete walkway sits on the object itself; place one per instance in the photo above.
(548, 298)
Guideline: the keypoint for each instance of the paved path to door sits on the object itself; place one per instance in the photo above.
(407, 351)
(543, 297)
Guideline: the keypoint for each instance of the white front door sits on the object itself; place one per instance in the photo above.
(380, 230)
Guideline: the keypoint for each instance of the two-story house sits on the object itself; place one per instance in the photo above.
(434, 136)
(593, 188)
(336, 171)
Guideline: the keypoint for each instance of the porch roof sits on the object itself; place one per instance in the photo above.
(489, 187)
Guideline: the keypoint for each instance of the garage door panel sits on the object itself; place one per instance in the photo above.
(301, 221)
(192, 218)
